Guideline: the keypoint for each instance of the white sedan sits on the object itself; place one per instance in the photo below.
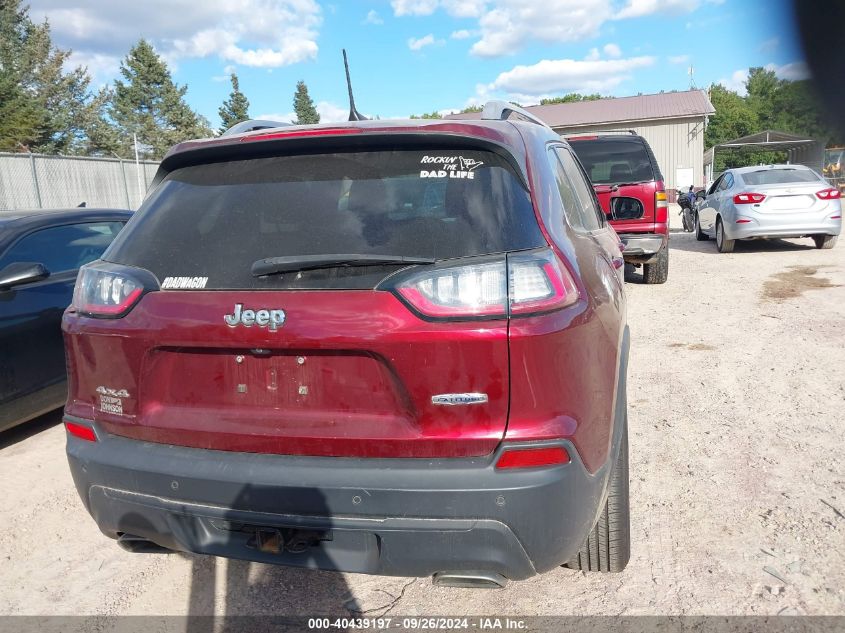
(772, 201)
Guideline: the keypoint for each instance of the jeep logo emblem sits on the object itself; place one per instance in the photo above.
(274, 319)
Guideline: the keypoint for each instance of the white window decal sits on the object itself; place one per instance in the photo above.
(449, 167)
(183, 283)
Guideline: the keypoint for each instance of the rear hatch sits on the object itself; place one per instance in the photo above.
(233, 355)
(622, 166)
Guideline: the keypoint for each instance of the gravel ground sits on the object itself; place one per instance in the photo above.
(737, 482)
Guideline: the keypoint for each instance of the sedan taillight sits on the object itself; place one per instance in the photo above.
(829, 194)
(749, 198)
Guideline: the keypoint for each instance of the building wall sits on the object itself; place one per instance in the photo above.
(676, 143)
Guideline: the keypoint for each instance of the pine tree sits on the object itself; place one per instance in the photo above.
(235, 109)
(147, 103)
(306, 113)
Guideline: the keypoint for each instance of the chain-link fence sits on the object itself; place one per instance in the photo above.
(39, 181)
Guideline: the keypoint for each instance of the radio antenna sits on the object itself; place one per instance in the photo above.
(354, 115)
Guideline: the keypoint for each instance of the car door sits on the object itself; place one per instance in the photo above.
(709, 207)
(31, 348)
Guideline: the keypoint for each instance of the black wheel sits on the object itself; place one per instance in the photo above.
(608, 546)
(700, 235)
(722, 243)
(825, 241)
(657, 272)
(688, 224)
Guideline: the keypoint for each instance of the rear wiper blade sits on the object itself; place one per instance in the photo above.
(293, 263)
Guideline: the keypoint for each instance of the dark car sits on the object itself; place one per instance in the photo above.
(40, 255)
(624, 165)
(377, 347)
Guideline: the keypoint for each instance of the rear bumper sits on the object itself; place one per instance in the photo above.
(778, 226)
(409, 517)
(642, 248)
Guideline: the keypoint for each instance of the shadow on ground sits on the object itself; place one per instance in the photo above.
(26, 430)
(681, 241)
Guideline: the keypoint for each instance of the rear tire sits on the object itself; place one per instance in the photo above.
(700, 235)
(825, 241)
(723, 244)
(608, 546)
(658, 271)
(688, 222)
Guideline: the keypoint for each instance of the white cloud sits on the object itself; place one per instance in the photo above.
(373, 18)
(413, 7)
(678, 59)
(98, 65)
(418, 43)
(736, 82)
(248, 32)
(509, 24)
(640, 8)
(461, 35)
(550, 76)
(593, 55)
(792, 72)
(455, 8)
(331, 112)
(612, 50)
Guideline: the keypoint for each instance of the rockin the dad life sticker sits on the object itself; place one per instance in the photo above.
(449, 167)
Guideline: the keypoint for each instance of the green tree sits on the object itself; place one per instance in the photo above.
(303, 106)
(572, 97)
(427, 115)
(148, 103)
(475, 108)
(48, 110)
(236, 108)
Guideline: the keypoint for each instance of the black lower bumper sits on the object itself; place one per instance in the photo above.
(410, 517)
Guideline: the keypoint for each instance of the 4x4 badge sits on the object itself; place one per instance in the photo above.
(454, 399)
(272, 319)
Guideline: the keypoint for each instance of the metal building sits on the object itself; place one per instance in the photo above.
(672, 122)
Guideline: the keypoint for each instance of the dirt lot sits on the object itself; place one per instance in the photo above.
(737, 416)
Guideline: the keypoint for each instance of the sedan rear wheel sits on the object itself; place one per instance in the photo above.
(700, 235)
(825, 241)
(722, 243)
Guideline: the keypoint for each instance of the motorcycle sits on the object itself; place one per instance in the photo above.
(687, 212)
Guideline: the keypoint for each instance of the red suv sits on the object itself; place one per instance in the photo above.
(377, 347)
(623, 165)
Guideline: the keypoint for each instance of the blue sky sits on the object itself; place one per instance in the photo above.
(414, 56)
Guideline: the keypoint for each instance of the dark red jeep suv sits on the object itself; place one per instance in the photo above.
(624, 165)
(379, 347)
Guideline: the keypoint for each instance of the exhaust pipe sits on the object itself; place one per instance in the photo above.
(139, 545)
(469, 579)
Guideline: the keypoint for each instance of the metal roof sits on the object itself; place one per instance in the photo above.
(770, 140)
(664, 105)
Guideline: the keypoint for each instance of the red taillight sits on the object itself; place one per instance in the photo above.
(318, 132)
(80, 431)
(533, 457)
(661, 207)
(749, 198)
(743, 221)
(829, 194)
(524, 283)
(105, 293)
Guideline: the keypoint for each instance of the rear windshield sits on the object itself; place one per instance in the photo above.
(779, 176)
(215, 220)
(613, 162)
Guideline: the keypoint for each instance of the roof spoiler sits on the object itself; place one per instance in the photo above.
(504, 110)
(254, 124)
(602, 133)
